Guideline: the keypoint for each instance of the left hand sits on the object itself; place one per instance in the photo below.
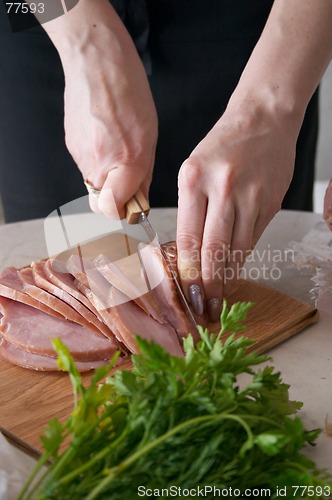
(230, 188)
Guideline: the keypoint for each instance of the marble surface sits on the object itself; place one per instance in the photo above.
(23, 242)
(304, 360)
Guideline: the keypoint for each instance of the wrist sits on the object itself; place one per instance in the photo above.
(88, 24)
(266, 105)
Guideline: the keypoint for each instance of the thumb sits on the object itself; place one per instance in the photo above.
(121, 184)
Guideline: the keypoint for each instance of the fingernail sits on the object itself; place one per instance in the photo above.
(214, 309)
(196, 299)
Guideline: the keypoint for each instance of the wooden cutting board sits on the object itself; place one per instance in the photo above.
(29, 399)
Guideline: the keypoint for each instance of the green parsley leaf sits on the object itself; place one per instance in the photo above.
(180, 422)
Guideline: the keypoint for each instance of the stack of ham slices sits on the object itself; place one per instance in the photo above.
(91, 306)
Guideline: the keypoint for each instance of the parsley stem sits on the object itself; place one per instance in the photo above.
(41, 462)
(148, 447)
(92, 461)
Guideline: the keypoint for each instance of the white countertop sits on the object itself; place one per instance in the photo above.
(304, 360)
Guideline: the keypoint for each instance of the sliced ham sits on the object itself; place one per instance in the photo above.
(32, 330)
(66, 281)
(123, 315)
(104, 313)
(86, 273)
(31, 288)
(41, 280)
(95, 288)
(171, 252)
(81, 292)
(164, 290)
(130, 320)
(11, 286)
(131, 290)
(33, 361)
(92, 307)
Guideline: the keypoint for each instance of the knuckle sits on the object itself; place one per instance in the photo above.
(190, 174)
(188, 242)
(228, 177)
(216, 251)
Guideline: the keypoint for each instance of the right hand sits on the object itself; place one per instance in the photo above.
(110, 116)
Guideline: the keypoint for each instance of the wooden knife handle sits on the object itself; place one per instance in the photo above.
(135, 206)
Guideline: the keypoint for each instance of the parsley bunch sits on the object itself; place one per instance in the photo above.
(178, 422)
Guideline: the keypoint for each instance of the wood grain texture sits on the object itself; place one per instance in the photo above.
(135, 206)
(29, 399)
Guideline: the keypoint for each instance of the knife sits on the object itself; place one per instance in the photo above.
(137, 211)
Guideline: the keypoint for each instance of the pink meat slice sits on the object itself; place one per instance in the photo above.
(164, 290)
(30, 287)
(131, 320)
(41, 280)
(104, 313)
(32, 330)
(66, 281)
(81, 292)
(34, 361)
(11, 287)
(86, 273)
(171, 252)
(95, 288)
(114, 275)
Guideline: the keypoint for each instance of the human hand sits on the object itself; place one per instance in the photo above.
(110, 116)
(327, 213)
(230, 188)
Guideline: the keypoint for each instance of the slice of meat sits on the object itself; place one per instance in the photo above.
(131, 320)
(66, 281)
(104, 313)
(115, 315)
(11, 286)
(164, 290)
(171, 252)
(80, 291)
(135, 288)
(86, 273)
(32, 330)
(33, 361)
(95, 288)
(30, 287)
(41, 280)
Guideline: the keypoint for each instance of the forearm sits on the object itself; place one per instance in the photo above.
(89, 23)
(110, 117)
(289, 59)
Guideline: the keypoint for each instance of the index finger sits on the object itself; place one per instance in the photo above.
(190, 227)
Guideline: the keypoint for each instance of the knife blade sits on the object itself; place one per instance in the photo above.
(137, 210)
